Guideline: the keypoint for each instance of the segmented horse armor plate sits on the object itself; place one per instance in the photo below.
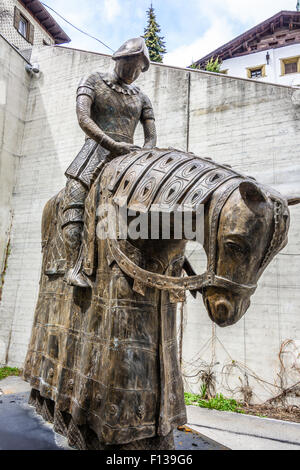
(166, 179)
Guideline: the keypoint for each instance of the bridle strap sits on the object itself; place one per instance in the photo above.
(214, 224)
(192, 283)
(150, 279)
(162, 282)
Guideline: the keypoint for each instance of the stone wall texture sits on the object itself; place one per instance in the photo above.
(252, 126)
(14, 88)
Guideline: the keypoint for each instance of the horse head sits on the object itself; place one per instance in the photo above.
(252, 228)
(245, 224)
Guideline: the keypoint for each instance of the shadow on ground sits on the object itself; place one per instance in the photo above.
(22, 429)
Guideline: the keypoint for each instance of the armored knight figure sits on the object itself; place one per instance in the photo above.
(109, 108)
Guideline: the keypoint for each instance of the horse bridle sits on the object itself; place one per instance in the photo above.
(195, 282)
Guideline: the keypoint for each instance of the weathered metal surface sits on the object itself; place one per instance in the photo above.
(167, 180)
(109, 108)
(107, 356)
(102, 360)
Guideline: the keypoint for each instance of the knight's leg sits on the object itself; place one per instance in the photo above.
(75, 196)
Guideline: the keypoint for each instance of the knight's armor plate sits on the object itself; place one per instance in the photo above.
(116, 110)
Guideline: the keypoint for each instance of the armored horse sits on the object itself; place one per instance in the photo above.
(103, 362)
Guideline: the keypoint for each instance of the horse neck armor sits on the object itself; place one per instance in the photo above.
(168, 179)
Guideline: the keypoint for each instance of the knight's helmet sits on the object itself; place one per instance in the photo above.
(134, 47)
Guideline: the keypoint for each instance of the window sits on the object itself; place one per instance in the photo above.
(256, 72)
(290, 68)
(23, 27)
(290, 65)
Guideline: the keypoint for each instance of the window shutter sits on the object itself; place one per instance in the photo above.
(30, 33)
(291, 68)
(17, 17)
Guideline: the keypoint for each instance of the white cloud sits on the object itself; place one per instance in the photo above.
(218, 34)
(111, 9)
(248, 11)
(223, 17)
(207, 24)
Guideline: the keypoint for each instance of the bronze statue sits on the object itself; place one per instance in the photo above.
(102, 361)
(109, 108)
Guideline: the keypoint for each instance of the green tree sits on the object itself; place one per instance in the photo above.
(155, 43)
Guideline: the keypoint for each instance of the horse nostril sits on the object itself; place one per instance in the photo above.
(222, 309)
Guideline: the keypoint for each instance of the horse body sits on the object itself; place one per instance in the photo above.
(103, 362)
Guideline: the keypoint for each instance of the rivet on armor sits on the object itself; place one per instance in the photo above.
(71, 384)
(98, 398)
(141, 412)
(113, 410)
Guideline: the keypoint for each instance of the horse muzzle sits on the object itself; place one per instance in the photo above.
(224, 307)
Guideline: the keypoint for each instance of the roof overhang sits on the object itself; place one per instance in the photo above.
(227, 50)
(41, 14)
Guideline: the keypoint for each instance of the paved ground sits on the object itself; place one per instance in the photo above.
(244, 432)
(22, 429)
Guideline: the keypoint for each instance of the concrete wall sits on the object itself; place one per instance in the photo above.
(7, 8)
(237, 66)
(14, 88)
(253, 126)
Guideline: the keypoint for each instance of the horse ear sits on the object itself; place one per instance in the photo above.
(292, 201)
(290, 192)
(253, 197)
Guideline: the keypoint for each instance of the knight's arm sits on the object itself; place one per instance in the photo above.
(83, 110)
(149, 133)
(148, 122)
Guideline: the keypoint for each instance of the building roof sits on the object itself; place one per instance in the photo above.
(240, 45)
(41, 14)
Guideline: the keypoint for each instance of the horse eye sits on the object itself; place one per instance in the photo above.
(234, 247)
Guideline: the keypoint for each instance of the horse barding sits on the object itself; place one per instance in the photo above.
(103, 362)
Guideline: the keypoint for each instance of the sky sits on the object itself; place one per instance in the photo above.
(191, 28)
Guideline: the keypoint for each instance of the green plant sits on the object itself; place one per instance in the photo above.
(7, 371)
(218, 402)
(213, 65)
(191, 398)
(155, 43)
(194, 66)
(203, 390)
